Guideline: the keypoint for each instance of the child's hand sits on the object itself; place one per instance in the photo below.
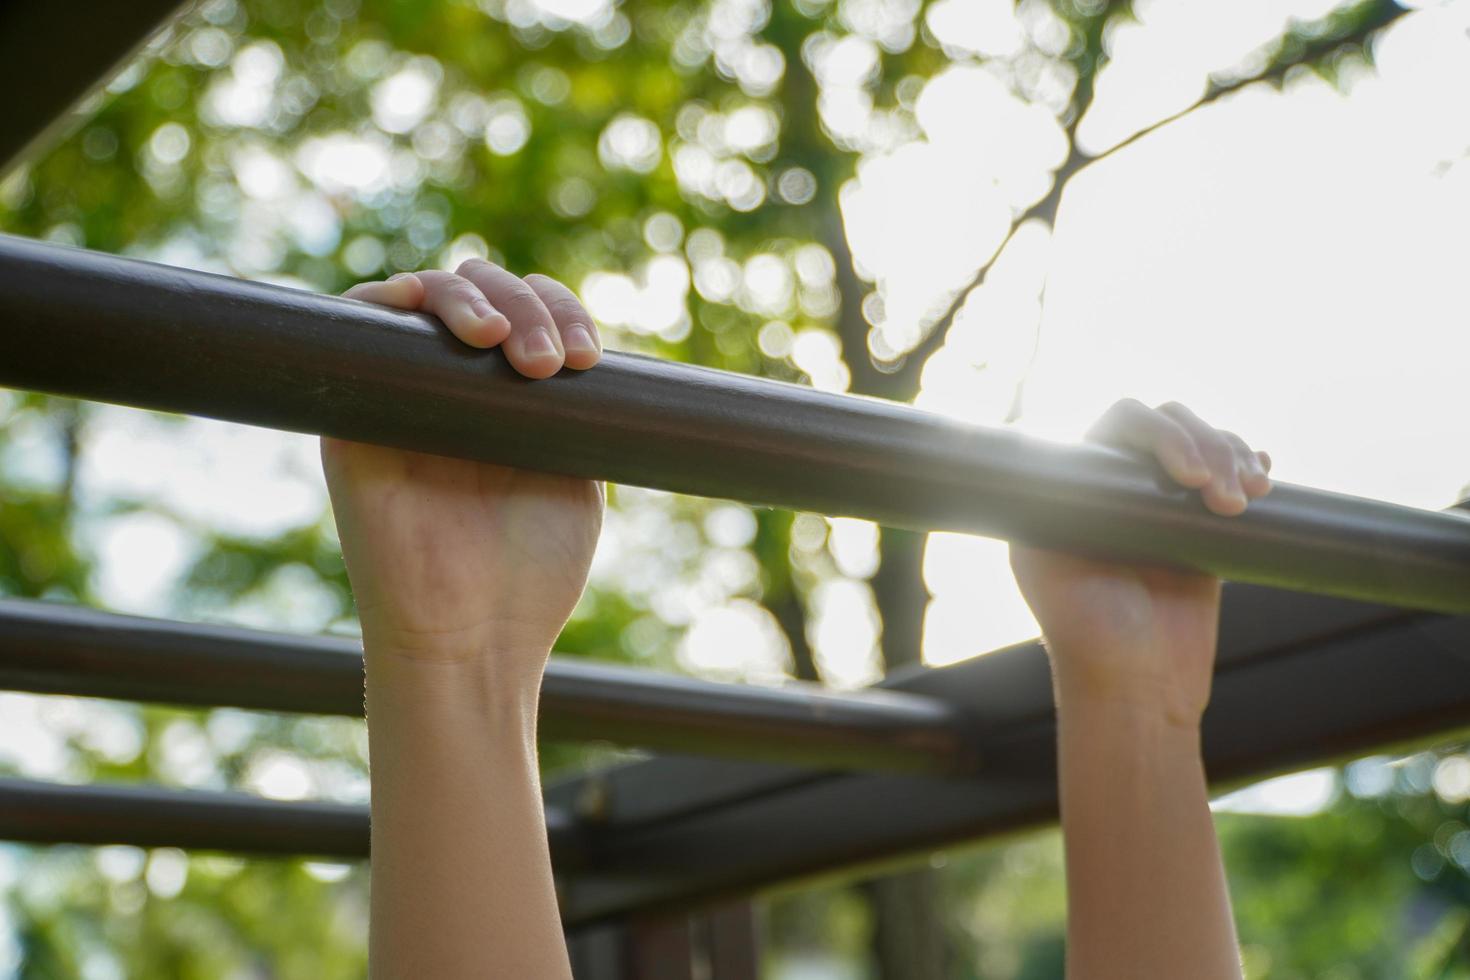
(451, 559)
(1143, 635)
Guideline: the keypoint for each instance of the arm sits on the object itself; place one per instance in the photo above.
(464, 573)
(1132, 651)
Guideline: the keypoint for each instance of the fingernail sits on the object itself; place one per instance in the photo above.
(482, 309)
(539, 344)
(579, 339)
(399, 275)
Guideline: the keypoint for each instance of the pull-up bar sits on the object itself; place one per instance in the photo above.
(54, 649)
(112, 329)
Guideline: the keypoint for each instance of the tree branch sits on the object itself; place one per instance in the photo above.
(1292, 53)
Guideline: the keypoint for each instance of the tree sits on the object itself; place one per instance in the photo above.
(688, 166)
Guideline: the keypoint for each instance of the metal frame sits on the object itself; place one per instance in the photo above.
(50, 648)
(59, 52)
(941, 756)
(1300, 680)
(113, 329)
(949, 755)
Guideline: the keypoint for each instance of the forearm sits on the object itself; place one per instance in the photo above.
(1146, 887)
(461, 871)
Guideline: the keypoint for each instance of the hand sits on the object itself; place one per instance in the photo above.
(1139, 634)
(449, 559)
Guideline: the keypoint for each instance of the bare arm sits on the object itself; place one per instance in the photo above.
(1146, 889)
(461, 873)
(464, 574)
(1132, 651)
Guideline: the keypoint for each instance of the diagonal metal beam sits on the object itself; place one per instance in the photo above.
(55, 53)
(1301, 681)
(1305, 688)
(98, 326)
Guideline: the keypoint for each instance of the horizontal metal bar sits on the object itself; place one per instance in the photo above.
(1302, 680)
(113, 329)
(58, 649)
(152, 816)
(146, 816)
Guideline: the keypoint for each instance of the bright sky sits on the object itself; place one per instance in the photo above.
(1292, 266)
(1289, 264)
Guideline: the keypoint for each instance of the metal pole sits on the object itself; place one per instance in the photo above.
(1303, 681)
(58, 67)
(150, 816)
(113, 329)
(57, 649)
(147, 816)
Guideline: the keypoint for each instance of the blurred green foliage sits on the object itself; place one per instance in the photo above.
(678, 150)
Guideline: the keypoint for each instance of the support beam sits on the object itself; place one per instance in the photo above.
(97, 326)
(54, 53)
(721, 942)
(50, 648)
(151, 816)
(1301, 681)
(147, 816)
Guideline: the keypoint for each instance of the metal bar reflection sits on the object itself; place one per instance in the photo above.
(113, 329)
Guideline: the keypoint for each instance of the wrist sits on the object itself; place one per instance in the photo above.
(1121, 735)
(479, 681)
(514, 650)
(1136, 699)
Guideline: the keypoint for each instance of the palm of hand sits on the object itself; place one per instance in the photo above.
(449, 558)
(1136, 633)
(1125, 631)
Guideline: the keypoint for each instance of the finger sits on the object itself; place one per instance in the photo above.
(1265, 459)
(578, 332)
(534, 346)
(1253, 478)
(464, 309)
(403, 291)
(1132, 425)
(1223, 494)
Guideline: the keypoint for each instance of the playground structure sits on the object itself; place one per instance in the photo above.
(1343, 627)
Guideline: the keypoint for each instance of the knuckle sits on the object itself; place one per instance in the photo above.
(461, 288)
(1239, 444)
(1125, 408)
(1176, 441)
(521, 302)
(1217, 446)
(555, 289)
(568, 308)
(518, 292)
